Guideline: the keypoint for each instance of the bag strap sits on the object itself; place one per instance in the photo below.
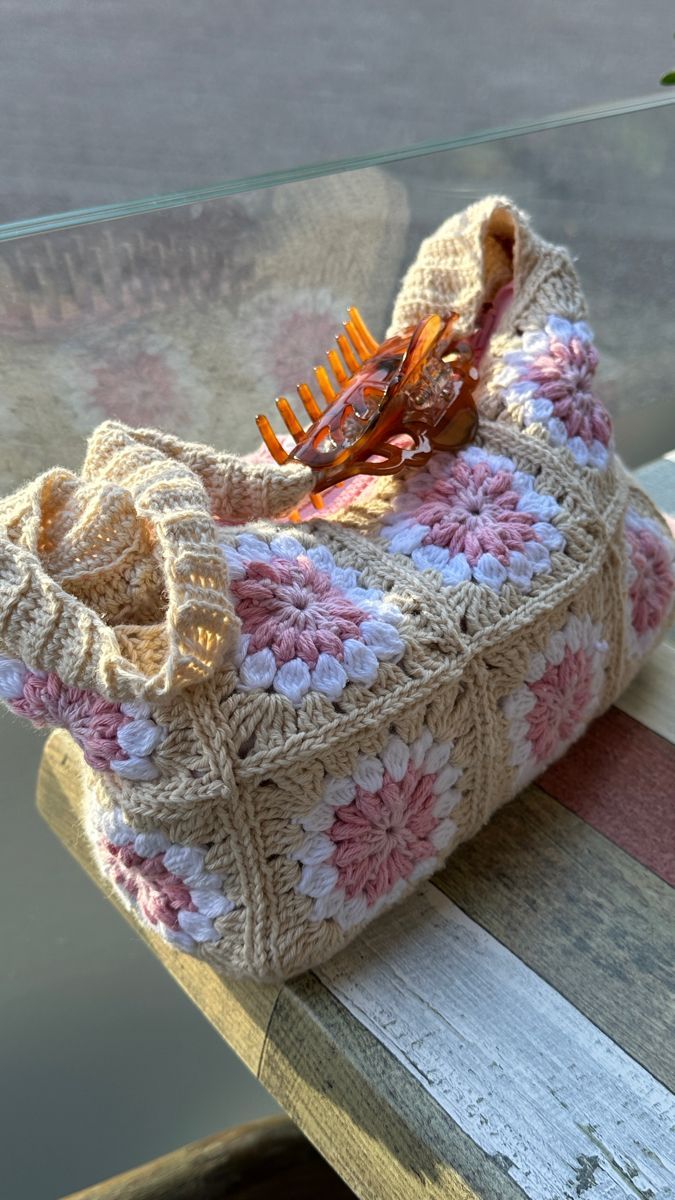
(114, 580)
(473, 255)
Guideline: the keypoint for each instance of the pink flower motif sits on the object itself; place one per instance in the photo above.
(165, 883)
(473, 515)
(381, 836)
(560, 693)
(651, 577)
(113, 737)
(159, 895)
(301, 334)
(549, 381)
(292, 607)
(291, 328)
(140, 377)
(306, 623)
(374, 834)
(560, 696)
(144, 387)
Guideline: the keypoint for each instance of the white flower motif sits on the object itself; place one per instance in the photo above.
(166, 884)
(307, 624)
(560, 693)
(548, 382)
(474, 515)
(650, 579)
(376, 833)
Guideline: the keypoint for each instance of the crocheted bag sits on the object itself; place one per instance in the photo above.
(287, 726)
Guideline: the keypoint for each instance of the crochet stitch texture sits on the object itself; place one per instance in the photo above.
(285, 726)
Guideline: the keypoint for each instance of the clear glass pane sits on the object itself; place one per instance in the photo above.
(195, 317)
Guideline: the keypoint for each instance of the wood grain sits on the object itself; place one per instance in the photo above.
(513, 1064)
(263, 1160)
(239, 1010)
(620, 777)
(460, 1072)
(582, 914)
(384, 1134)
(650, 698)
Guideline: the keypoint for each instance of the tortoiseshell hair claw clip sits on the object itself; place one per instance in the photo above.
(392, 403)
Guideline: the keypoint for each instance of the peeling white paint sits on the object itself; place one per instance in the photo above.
(533, 1082)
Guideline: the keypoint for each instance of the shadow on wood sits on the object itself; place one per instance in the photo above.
(252, 1162)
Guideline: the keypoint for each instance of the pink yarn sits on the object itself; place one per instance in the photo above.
(564, 375)
(474, 510)
(335, 499)
(651, 590)
(292, 608)
(160, 894)
(562, 696)
(381, 836)
(91, 720)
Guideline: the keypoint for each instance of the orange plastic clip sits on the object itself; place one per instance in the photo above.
(391, 404)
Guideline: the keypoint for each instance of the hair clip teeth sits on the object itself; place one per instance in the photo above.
(388, 405)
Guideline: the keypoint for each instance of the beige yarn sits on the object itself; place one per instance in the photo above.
(116, 582)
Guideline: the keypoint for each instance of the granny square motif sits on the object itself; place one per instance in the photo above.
(286, 724)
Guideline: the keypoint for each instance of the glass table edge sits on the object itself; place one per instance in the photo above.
(116, 211)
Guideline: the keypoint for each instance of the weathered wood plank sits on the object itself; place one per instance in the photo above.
(620, 777)
(582, 914)
(386, 1136)
(650, 698)
(239, 1010)
(512, 1062)
(268, 1158)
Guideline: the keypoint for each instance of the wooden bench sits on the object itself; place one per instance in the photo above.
(510, 1031)
(265, 1160)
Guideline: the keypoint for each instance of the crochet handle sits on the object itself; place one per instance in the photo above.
(473, 255)
(114, 580)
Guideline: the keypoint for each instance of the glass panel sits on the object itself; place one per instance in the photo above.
(195, 317)
(231, 187)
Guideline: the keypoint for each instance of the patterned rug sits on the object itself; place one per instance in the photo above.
(192, 319)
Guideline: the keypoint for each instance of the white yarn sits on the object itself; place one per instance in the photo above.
(446, 780)
(339, 791)
(187, 863)
(406, 535)
(199, 927)
(436, 757)
(578, 633)
(329, 677)
(360, 662)
(368, 773)
(293, 680)
(287, 547)
(258, 670)
(184, 861)
(382, 639)
(520, 571)
(140, 737)
(12, 678)
(420, 746)
(317, 881)
(150, 844)
(443, 834)
(134, 768)
(210, 902)
(395, 758)
(489, 571)
(136, 708)
(320, 818)
(315, 849)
